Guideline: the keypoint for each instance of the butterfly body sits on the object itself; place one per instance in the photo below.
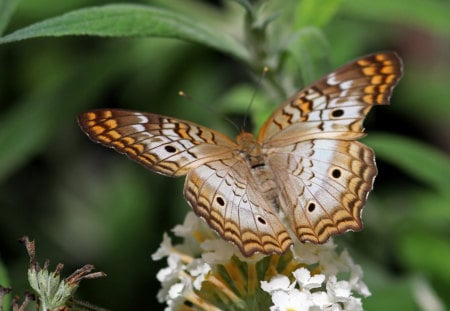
(303, 176)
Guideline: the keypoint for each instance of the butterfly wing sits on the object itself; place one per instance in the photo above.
(336, 105)
(324, 176)
(325, 185)
(224, 194)
(164, 145)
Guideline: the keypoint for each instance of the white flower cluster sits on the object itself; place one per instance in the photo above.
(207, 272)
(308, 292)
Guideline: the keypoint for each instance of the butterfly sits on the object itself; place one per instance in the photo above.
(304, 176)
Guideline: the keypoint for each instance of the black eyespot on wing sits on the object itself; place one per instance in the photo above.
(261, 220)
(311, 207)
(220, 201)
(170, 149)
(336, 173)
(337, 113)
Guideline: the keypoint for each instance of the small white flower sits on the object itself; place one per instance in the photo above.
(217, 251)
(169, 276)
(356, 275)
(190, 224)
(177, 292)
(277, 283)
(293, 300)
(341, 290)
(297, 295)
(310, 253)
(165, 249)
(353, 304)
(321, 299)
(174, 267)
(199, 269)
(304, 279)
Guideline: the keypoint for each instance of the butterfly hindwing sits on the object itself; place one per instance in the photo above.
(223, 193)
(325, 186)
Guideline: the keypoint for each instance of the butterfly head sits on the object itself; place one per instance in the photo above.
(246, 142)
(249, 148)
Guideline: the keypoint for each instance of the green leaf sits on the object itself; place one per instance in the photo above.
(246, 4)
(30, 124)
(309, 50)
(315, 13)
(431, 15)
(426, 252)
(393, 295)
(421, 161)
(430, 210)
(4, 281)
(7, 8)
(388, 291)
(433, 90)
(121, 20)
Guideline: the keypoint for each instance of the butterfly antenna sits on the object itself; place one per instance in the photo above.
(209, 108)
(256, 89)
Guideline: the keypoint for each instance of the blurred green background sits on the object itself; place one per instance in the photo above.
(83, 203)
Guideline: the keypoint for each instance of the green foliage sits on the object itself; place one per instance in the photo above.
(4, 281)
(430, 166)
(129, 20)
(90, 205)
(429, 15)
(7, 8)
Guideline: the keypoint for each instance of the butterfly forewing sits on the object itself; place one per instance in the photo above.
(336, 105)
(165, 145)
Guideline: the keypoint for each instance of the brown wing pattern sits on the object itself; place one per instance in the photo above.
(325, 186)
(162, 144)
(336, 105)
(323, 175)
(223, 194)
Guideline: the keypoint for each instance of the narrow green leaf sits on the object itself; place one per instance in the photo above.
(310, 51)
(421, 161)
(315, 13)
(246, 4)
(121, 20)
(432, 15)
(7, 8)
(4, 281)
